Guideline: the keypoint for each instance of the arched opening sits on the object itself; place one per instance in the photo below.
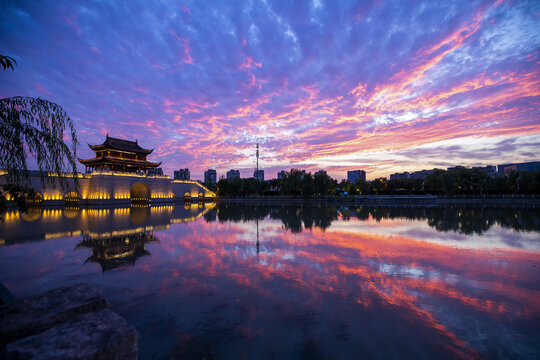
(140, 193)
(35, 200)
(187, 197)
(72, 199)
(201, 197)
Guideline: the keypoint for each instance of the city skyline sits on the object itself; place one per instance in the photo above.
(382, 87)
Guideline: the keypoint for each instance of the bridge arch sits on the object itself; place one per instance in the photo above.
(187, 196)
(140, 193)
(37, 200)
(72, 198)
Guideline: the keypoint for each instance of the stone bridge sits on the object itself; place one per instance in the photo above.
(109, 188)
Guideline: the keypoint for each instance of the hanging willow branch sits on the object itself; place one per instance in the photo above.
(35, 127)
(7, 62)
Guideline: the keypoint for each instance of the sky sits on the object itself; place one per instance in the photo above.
(383, 86)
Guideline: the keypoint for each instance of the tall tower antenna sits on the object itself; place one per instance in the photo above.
(257, 153)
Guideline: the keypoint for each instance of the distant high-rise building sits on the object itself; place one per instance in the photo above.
(422, 174)
(231, 174)
(210, 176)
(182, 174)
(400, 176)
(158, 171)
(259, 175)
(506, 169)
(281, 174)
(354, 176)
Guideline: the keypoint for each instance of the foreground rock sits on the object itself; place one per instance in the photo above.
(99, 335)
(68, 323)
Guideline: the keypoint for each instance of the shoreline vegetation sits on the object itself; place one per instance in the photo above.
(502, 200)
(451, 184)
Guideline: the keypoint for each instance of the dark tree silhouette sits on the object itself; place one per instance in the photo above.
(7, 62)
(33, 127)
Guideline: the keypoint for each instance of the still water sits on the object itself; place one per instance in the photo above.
(295, 282)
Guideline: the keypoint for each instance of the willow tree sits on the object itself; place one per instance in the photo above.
(38, 129)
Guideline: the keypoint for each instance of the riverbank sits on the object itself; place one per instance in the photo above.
(525, 200)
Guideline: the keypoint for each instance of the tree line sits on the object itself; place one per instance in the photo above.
(456, 181)
(464, 220)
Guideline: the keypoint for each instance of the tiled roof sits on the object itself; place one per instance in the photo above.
(121, 144)
(105, 159)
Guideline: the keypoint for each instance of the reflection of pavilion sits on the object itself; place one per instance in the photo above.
(54, 222)
(122, 248)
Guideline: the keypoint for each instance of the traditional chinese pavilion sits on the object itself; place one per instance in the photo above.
(121, 156)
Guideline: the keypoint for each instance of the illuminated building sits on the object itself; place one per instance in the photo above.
(120, 156)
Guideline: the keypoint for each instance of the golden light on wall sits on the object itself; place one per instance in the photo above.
(99, 196)
(162, 195)
(122, 195)
(52, 195)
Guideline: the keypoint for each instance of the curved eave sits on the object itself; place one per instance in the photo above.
(84, 161)
(106, 146)
(118, 161)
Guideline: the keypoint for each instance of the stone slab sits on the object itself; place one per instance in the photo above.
(32, 315)
(97, 335)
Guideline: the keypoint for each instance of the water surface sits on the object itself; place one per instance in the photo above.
(295, 282)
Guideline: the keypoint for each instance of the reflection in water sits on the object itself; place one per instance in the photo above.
(461, 219)
(51, 223)
(118, 249)
(320, 282)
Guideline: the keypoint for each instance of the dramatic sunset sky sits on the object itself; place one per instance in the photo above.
(383, 86)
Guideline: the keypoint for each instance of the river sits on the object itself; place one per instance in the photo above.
(232, 281)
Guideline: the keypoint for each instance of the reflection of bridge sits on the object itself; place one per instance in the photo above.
(94, 223)
(103, 188)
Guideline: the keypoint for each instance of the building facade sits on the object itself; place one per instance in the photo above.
(231, 174)
(182, 174)
(210, 176)
(281, 174)
(422, 174)
(490, 170)
(354, 176)
(506, 169)
(400, 176)
(259, 175)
